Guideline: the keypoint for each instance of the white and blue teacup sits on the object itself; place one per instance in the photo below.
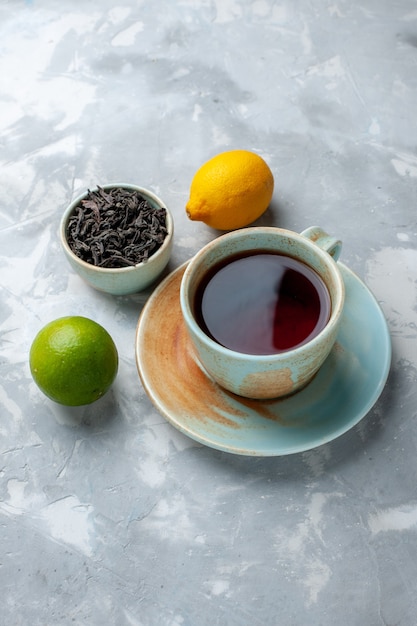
(266, 376)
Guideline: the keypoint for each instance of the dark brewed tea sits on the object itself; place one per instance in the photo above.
(262, 303)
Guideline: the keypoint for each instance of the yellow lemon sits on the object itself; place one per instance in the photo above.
(231, 190)
(73, 360)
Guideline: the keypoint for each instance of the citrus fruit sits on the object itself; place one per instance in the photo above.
(231, 190)
(73, 360)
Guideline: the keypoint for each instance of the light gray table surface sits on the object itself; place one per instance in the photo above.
(108, 514)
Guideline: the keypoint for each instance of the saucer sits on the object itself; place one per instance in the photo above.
(340, 395)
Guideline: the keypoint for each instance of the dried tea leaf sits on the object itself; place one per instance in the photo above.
(116, 228)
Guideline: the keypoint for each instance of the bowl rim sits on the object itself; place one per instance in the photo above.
(116, 270)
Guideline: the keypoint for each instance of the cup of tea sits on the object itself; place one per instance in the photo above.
(262, 307)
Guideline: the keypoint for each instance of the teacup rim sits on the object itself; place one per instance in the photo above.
(275, 357)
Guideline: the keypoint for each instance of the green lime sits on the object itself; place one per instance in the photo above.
(73, 360)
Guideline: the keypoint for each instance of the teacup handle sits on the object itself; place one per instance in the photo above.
(329, 244)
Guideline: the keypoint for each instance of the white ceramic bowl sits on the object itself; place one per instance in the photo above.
(121, 280)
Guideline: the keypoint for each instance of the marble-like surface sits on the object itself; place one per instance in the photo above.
(108, 515)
